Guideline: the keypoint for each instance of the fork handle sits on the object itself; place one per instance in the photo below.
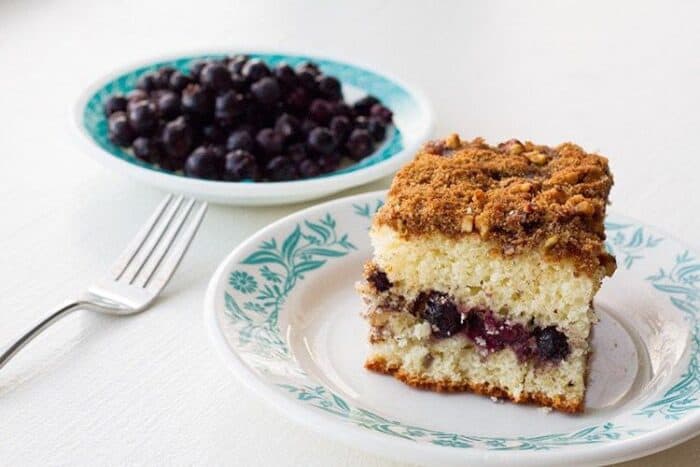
(36, 330)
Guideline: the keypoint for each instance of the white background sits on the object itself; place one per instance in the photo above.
(621, 78)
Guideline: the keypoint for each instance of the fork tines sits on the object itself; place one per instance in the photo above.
(153, 255)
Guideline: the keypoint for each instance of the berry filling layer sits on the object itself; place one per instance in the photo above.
(486, 329)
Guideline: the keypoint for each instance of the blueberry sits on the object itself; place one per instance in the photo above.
(288, 126)
(266, 90)
(269, 141)
(320, 111)
(341, 108)
(379, 280)
(142, 118)
(162, 77)
(239, 83)
(229, 106)
(376, 129)
(146, 149)
(204, 162)
(382, 113)
(197, 68)
(236, 63)
(115, 103)
(136, 95)
(298, 99)
(309, 67)
(255, 69)
(330, 88)
(179, 81)
(214, 134)
(359, 144)
(364, 105)
(280, 169)
(240, 139)
(321, 140)
(297, 152)
(216, 77)
(361, 122)
(308, 168)
(551, 343)
(197, 101)
(340, 127)
(442, 314)
(120, 132)
(177, 138)
(240, 165)
(168, 105)
(146, 82)
(286, 76)
(328, 162)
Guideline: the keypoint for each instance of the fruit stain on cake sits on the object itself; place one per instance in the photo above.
(486, 261)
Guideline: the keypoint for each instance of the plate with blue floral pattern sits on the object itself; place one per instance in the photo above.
(283, 314)
(413, 120)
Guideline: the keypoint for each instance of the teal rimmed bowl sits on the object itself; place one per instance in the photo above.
(412, 117)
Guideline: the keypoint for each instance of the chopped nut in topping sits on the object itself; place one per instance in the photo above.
(467, 223)
(551, 241)
(585, 207)
(536, 157)
(452, 141)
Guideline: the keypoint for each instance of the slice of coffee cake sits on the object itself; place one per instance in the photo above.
(486, 261)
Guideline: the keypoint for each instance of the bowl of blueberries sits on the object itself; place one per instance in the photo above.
(252, 128)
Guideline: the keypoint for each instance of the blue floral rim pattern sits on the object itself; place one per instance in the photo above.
(394, 95)
(260, 283)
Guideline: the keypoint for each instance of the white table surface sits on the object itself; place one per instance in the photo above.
(617, 77)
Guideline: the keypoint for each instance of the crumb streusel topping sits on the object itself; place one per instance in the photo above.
(517, 195)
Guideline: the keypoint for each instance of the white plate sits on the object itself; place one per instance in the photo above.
(413, 121)
(283, 314)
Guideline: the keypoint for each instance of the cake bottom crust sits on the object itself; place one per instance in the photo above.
(380, 365)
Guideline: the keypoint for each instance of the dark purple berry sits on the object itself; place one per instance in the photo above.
(321, 140)
(269, 141)
(239, 83)
(286, 76)
(379, 280)
(136, 95)
(298, 100)
(120, 132)
(229, 106)
(197, 101)
(340, 127)
(551, 343)
(241, 165)
(142, 118)
(320, 111)
(361, 122)
(328, 162)
(280, 169)
(197, 68)
(146, 149)
(115, 103)
(204, 162)
(329, 87)
(236, 63)
(216, 77)
(382, 113)
(255, 69)
(341, 108)
(146, 82)
(442, 314)
(364, 105)
(359, 144)
(288, 126)
(179, 81)
(240, 139)
(168, 105)
(162, 77)
(310, 67)
(266, 90)
(376, 129)
(177, 138)
(297, 152)
(308, 168)
(214, 134)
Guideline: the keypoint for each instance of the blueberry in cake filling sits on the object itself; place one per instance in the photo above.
(486, 261)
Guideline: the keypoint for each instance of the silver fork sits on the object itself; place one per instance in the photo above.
(140, 273)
